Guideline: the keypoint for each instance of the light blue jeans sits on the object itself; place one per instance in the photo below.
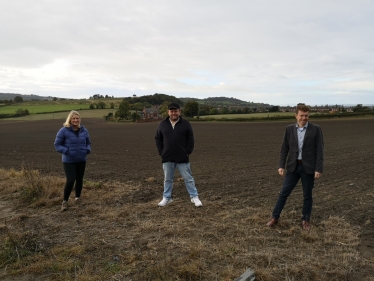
(185, 171)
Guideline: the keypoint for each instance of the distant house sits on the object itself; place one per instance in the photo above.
(141, 114)
(150, 114)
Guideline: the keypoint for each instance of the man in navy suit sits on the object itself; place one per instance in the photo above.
(301, 157)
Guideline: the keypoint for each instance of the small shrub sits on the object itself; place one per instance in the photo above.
(18, 246)
(33, 189)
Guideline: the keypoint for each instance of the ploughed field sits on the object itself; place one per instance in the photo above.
(234, 166)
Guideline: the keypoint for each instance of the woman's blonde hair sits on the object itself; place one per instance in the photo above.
(68, 119)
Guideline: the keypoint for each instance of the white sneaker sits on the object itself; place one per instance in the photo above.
(196, 201)
(164, 202)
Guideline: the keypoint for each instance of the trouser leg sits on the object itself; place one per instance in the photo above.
(70, 174)
(185, 171)
(308, 183)
(169, 169)
(289, 184)
(80, 169)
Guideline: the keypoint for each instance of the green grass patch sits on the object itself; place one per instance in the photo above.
(278, 116)
(249, 115)
(89, 113)
(37, 109)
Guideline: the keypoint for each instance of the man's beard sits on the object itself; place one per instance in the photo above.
(174, 117)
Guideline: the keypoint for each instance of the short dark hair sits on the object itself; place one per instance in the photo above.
(302, 107)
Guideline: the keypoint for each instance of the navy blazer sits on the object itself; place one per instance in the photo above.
(312, 154)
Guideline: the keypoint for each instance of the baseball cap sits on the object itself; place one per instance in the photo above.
(173, 105)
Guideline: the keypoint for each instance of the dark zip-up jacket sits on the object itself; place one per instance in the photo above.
(174, 145)
(73, 145)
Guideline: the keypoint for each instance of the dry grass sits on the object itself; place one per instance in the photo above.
(114, 237)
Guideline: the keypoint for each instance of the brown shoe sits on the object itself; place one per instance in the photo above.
(272, 222)
(64, 206)
(306, 225)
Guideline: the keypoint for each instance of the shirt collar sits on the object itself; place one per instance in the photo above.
(305, 127)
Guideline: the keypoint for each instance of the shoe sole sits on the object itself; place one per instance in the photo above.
(170, 201)
(200, 205)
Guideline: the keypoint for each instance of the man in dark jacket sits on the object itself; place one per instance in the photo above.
(302, 148)
(175, 142)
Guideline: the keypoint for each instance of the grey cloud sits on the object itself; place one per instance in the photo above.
(265, 50)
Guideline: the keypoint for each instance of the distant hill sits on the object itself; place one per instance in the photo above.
(224, 101)
(157, 99)
(11, 96)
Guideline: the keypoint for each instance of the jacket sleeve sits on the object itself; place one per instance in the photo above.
(60, 142)
(190, 142)
(319, 151)
(88, 142)
(284, 150)
(159, 139)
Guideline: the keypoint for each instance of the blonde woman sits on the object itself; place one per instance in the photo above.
(73, 142)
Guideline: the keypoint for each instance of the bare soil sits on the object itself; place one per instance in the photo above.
(234, 166)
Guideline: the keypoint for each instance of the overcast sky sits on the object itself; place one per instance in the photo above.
(277, 52)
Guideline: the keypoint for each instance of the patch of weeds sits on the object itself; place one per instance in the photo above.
(113, 267)
(33, 189)
(18, 246)
(13, 173)
(230, 250)
(93, 185)
(30, 194)
(159, 272)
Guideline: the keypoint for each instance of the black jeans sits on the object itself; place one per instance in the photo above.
(74, 172)
(289, 184)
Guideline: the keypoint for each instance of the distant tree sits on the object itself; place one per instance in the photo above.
(232, 110)
(163, 109)
(18, 99)
(245, 110)
(123, 110)
(109, 117)
(357, 108)
(101, 105)
(92, 106)
(191, 109)
(213, 111)
(360, 108)
(111, 105)
(204, 110)
(22, 112)
(156, 99)
(224, 110)
(274, 109)
(106, 96)
(54, 99)
(138, 106)
(134, 116)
